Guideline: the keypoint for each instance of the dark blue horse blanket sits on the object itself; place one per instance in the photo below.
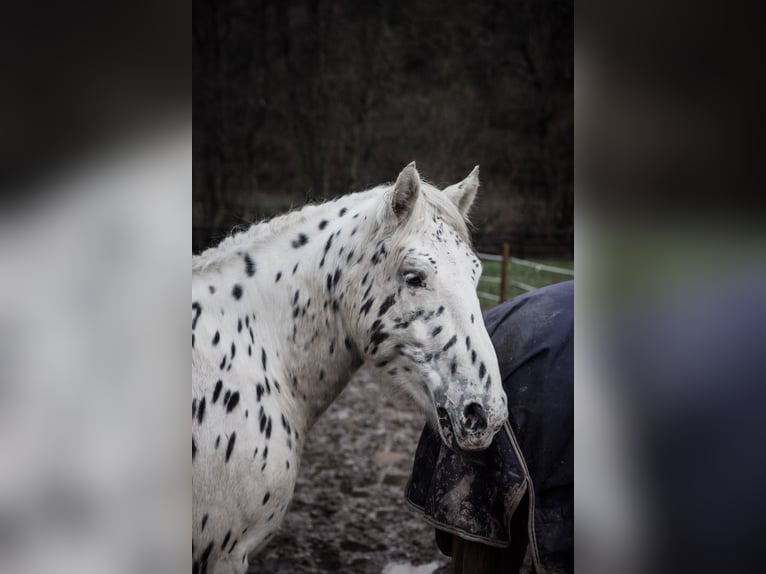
(517, 494)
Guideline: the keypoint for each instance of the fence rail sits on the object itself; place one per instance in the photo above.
(503, 280)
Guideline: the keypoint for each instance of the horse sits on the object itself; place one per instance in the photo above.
(284, 313)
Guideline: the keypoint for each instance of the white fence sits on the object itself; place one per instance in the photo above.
(503, 280)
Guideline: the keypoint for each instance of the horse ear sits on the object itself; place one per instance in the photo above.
(462, 194)
(406, 191)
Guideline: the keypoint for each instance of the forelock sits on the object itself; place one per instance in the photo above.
(442, 206)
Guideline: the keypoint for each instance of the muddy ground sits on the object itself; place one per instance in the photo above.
(348, 513)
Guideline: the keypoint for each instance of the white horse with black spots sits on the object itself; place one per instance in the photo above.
(284, 313)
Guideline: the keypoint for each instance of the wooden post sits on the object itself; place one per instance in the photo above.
(504, 271)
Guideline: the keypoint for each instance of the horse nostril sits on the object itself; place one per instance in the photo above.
(475, 420)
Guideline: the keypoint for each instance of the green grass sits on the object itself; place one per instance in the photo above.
(523, 274)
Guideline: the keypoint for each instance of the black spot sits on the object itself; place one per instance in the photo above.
(378, 337)
(230, 446)
(216, 338)
(347, 343)
(386, 305)
(239, 325)
(249, 266)
(449, 343)
(342, 212)
(440, 310)
(295, 268)
(453, 367)
(258, 391)
(482, 371)
(436, 331)
(328, 244)
(473, 357)
(205, 557)
(322, 224)
(367, 305)
(471, 317)
(321, 374)
(217, 441)
(194, 408)
(268, 429)
(233, 401)
(217, 390)
(197, 312)
(233, 544)
(226, 539)
(300, 241)
(279, 276)
(266, 498)
(194, 448)
(468, 343)
(204, 523)
(236, 292)
(211, 289)
(233, 351)
(263, 358)
(201, 411)
(336, 277)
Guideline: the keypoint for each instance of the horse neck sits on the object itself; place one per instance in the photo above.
(297, 298)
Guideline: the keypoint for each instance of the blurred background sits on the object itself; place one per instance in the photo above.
(302, 101)
(305, 101)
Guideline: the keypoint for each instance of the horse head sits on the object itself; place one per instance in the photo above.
(420, 314)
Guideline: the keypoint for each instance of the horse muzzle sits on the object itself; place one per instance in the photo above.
(467, 427)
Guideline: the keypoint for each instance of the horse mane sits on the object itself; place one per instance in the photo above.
(261, 232)
(257, 234)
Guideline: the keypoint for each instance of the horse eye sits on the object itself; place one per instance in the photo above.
(414, 280)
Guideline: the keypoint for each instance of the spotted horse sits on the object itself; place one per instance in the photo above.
(285, 312)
